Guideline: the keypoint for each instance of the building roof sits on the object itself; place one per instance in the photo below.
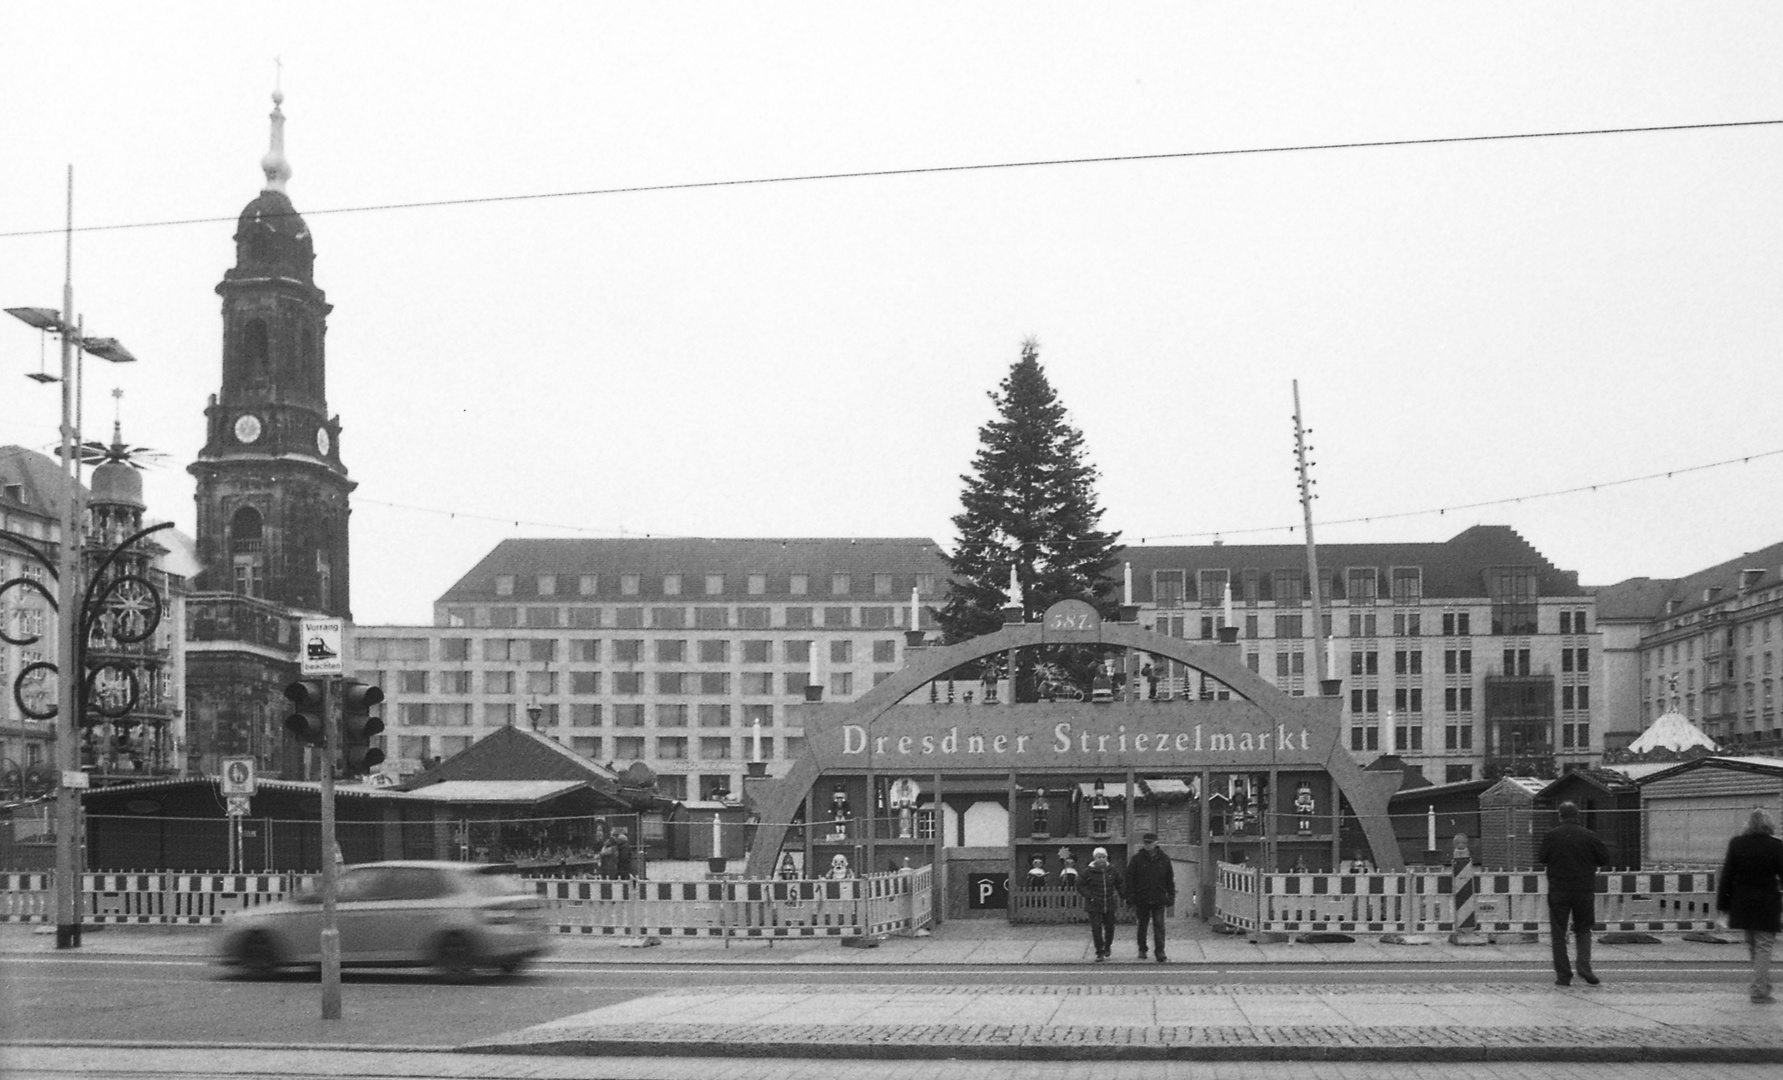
(1672, 731)
(38, 478)
(518, 753)
(694, 558)
(1651, 598)
(496, 791)
(1453, 568)
(1766, 765)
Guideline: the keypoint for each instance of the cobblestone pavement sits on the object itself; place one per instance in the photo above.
(1088, 1015)
(137, 1063)
(1354, 1022)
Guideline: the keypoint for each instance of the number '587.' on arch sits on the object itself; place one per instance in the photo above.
(993, 790)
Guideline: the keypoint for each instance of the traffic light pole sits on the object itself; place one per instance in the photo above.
(331, 935)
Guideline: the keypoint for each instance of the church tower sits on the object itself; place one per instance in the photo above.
(272, 492)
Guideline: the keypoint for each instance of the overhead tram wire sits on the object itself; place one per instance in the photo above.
(621, 533)
(921, 170)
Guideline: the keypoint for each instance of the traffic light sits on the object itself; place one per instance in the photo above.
(358, 726)
(307, 721)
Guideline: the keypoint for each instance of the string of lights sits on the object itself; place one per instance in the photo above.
(918, 170)
(1208, 534)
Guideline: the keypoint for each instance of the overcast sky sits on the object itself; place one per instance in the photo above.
(1468, 321)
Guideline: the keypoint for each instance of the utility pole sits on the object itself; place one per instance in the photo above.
(1301, 431)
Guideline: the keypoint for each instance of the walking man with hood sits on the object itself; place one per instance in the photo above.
(1573, 854)
(1151, 887)
(1101, 887)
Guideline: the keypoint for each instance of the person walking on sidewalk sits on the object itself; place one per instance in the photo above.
(1572, 854)
(1751, 876)
(1101, 887)
(1151, 887)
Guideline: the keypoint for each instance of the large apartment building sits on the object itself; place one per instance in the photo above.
(1708, 645)
(681, 654)
(1471, 658)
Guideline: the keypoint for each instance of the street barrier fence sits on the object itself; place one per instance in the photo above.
(1424, 901)
(897, 902)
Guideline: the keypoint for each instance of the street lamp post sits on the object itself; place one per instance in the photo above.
(69, 678)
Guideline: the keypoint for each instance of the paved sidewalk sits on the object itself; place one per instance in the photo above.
(1501, 1004)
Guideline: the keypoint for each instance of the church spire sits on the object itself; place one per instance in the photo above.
(274, 164)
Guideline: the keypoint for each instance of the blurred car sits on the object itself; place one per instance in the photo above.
(461, 918)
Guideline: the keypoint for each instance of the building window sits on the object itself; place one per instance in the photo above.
(882, 584)
(671, 584)
(1211, 587)
(757, 651)
(842, 652)
(758, 682)
(1168, 588)
(715, 716)
(628, 682)
(714, 683)
(1408, 662)
(247, 552)
(711, 618)
(671, 650)
(585, 682)
(628, 716)
(1408, 585)
(715, 749)
(629, 584)
(498, 714)
(588, 584)
(757, 584)
(412, 682)
(841, 584)
(798, 652)
(628, 618)
(455, 648)
(1362, 625)
(714, 650)
(754, 618)
(878, 618)
(841, 684)
(1288, 626)
(455, 682)
(714, 584)
(1364, 585)
(547, 584)
(628, 747)
(504, 584)
(671, 747)
(628, 650)
(541, 618)
(925, 584)
(798, 618)
(671, 716)
(542, 650)
(885, 652)
(669, 682)
(498, 682)
(838, 617)
(1455, 624)
(668, 618)
(799, 584)
(1407, 624)
(585, 618)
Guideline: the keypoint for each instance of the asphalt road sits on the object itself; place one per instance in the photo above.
(189, 999)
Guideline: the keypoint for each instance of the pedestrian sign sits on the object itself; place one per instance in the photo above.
(238, 776)
(320, 641)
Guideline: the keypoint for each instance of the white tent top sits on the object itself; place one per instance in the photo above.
(1671, 732)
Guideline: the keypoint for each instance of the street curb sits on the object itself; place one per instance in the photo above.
(1576, 1053)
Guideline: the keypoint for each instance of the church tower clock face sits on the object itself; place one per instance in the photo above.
(323, 442)
(247, 429)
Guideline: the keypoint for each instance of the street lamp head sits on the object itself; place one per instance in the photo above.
(39, 317)
(106, 348)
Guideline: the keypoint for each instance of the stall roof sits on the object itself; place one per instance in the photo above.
(495, 791)
(1167, 786)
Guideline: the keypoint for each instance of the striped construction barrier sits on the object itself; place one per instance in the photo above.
(1465, 900)
(27, 898)
(770, 909)
(143, 899)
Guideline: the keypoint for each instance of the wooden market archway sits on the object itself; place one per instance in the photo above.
(1317, 721)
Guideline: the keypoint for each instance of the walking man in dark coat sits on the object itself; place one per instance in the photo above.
(1748, 891)
(1151, 887)
(1573, 854)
